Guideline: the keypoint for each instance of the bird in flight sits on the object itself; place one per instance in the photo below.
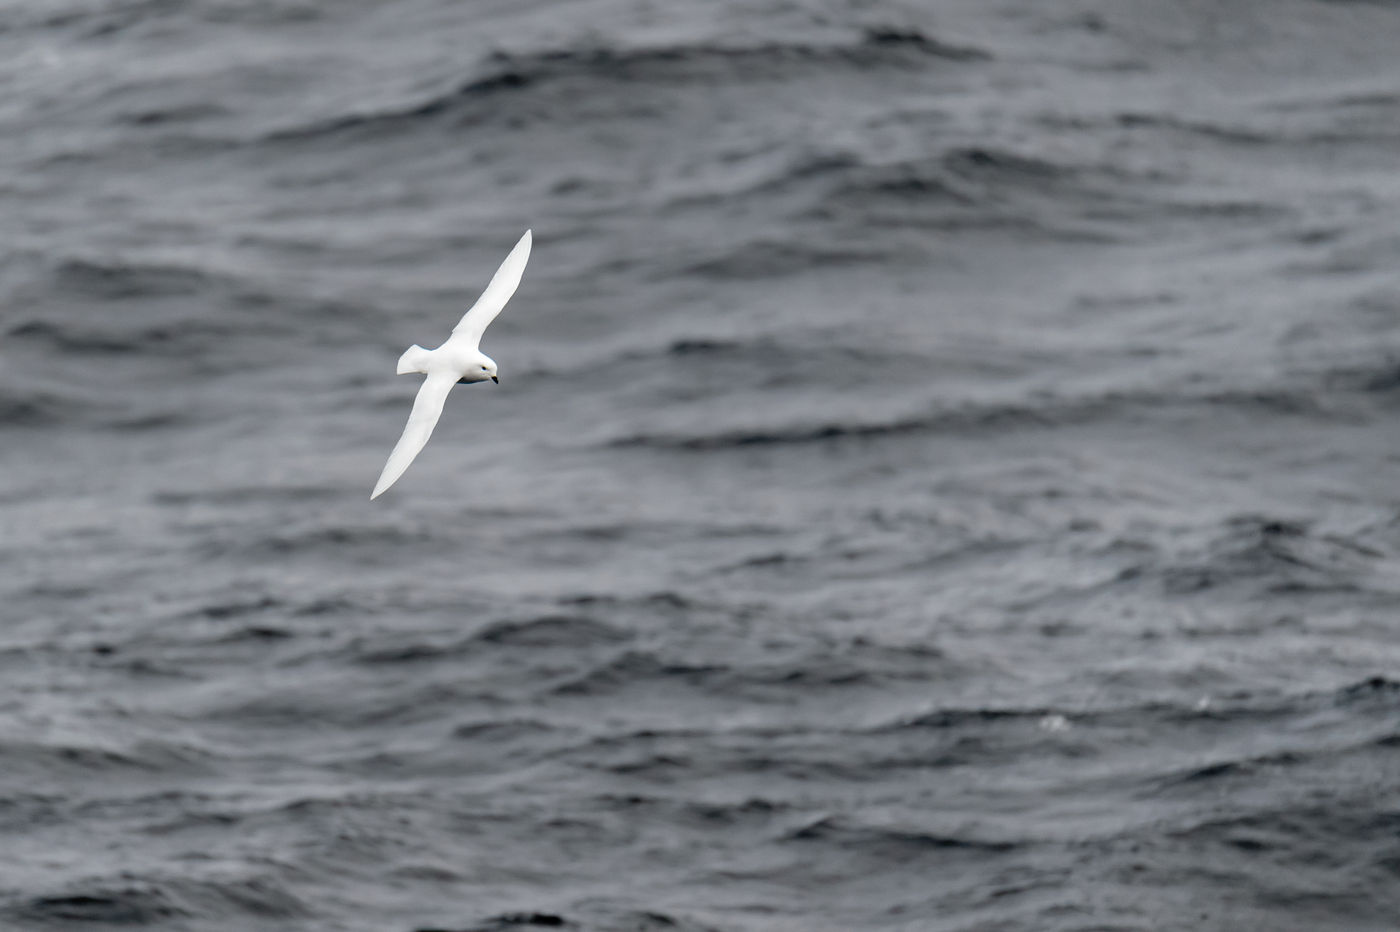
(456, 361)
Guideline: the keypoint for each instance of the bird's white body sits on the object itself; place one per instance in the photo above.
(456, 360)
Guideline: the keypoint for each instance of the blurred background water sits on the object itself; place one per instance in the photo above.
(944, 475)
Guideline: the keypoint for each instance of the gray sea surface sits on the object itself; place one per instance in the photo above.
(945, 472)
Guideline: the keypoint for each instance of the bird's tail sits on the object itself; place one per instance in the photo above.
(414, 359)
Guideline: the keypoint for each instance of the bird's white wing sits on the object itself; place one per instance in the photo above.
(503, 285)
(427, 408)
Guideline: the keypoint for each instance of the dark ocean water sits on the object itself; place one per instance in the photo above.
(945, 474)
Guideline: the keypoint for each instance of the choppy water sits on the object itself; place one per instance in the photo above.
(945, 473)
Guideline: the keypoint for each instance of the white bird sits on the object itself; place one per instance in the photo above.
(456, 360)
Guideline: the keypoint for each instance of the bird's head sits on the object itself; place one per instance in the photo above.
(486, 369)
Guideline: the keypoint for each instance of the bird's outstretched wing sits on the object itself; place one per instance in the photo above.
(427, 408)
(503, 285)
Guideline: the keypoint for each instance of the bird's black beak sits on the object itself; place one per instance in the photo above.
(496, 380)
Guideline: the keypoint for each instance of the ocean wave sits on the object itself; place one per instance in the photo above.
(1347, 117)
(637, 666)
(1035, 410)
(257, 634)
(295, 706)
(1220, 714)
(645, 920)
(961, 187)
(1379, 690)
(111, 19)
(956, 718)
(1378, 378)
(339, 539)
(45, 760)
(767, 258)
(184, 316)
(1231, 133)
(1285, 557)
(35, 406)
(991, 187)
(969, 417)
(964, 188)
(503, 922)
(29, 405)
(174, 114)
(496, 731)
(869, 48)
(1254, 767)
(183, 341)
(981, 187)
(515, 73)
(817, 674)
(138, 905)
(76, 279)
(1304, 831)
(896, 843)
(246, 495)
(146, 903)
(118, 280)
(551, 631)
